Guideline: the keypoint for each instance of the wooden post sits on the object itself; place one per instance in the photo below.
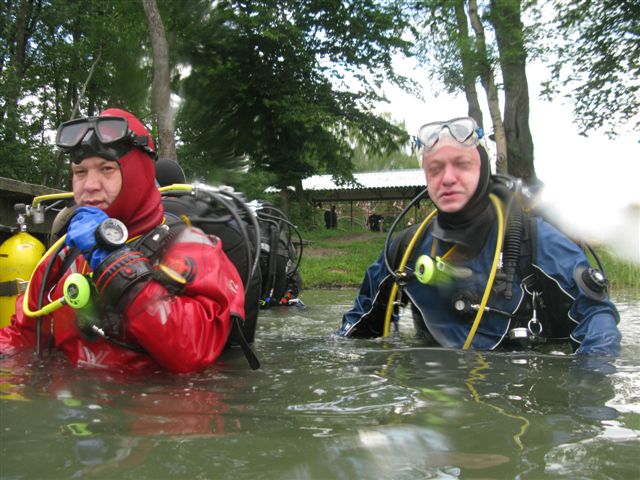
(351, 212)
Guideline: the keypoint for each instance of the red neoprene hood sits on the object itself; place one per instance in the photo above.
(139, 204)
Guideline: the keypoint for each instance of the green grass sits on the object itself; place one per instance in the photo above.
(339, 258)
(623, 275)
(336, 258)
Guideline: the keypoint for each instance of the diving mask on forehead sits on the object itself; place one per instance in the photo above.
(106, 137)
(463, 130)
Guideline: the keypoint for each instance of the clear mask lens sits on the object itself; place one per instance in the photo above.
(464, 130)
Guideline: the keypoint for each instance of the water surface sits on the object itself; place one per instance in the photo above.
(322, 408)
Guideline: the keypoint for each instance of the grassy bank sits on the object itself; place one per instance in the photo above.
(338, 258)
(335, 258)
(623, 275)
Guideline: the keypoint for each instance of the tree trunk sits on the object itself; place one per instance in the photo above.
(285, 200)
(468, 67)
(505, 17)
(161, 88)
(16, 68)
(488, 83)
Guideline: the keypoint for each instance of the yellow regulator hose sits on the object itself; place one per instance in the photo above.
(176, 186)
(50, 196)
(403, 263)
(492, 273)
(25, 301)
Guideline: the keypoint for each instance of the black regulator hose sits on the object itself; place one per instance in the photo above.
(239, 201)
(598, 261)
(387, 242)
(256, 229)
(247, 244)
(291, 227)
(270, 278)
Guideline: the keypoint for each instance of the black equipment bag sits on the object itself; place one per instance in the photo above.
(279, 257)
(217, 221)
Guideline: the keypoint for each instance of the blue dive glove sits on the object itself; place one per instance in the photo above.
(82, 234)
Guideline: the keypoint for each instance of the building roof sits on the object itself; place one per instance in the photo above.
(385, 185)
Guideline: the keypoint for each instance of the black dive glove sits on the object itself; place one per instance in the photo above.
(121, 276)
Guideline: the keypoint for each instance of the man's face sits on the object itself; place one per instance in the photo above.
(453, 173)
(96, 182)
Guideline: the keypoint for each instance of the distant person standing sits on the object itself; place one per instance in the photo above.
(375, 222)
(327, 219)
(334, 217)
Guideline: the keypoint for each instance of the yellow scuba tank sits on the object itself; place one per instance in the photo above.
(19, 255)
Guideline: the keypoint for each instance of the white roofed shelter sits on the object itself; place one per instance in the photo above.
(369, 186)
(385, 185)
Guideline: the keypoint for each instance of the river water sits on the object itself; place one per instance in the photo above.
(327, 408)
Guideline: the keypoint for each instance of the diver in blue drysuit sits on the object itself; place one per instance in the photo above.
(555, 296)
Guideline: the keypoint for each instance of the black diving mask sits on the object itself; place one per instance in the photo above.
(106, 137)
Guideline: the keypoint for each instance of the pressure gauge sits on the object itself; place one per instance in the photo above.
(111, 233)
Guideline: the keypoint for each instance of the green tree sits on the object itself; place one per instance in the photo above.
(494, 55)
(598, 60)
(285, 86)
(78, 57)
(278, 89)
(365, 160)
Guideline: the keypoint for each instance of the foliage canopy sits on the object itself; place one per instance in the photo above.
(598, 62)
(286, 89)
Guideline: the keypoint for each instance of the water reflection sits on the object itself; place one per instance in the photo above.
(505, 411)
(323, 407)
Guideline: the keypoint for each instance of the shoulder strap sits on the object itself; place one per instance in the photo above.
(155, 241)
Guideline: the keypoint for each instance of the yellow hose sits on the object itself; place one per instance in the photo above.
(25, 301)
(492, 273)
(403, 263)
(177, 186)
(51, 196)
